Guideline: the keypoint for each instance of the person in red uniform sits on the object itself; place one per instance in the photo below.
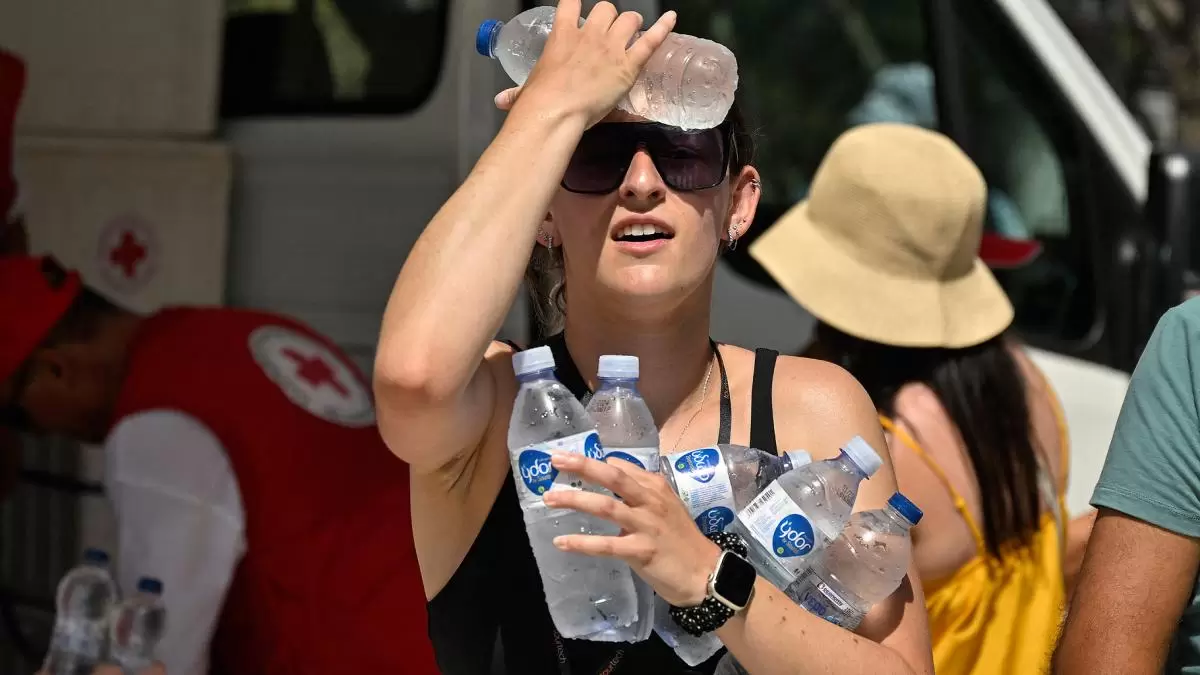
(245, 470)
(242, 462)
(12, 231)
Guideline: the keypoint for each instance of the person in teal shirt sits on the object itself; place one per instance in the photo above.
(1136, 609)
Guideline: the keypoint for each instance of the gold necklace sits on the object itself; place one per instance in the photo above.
(699, 407)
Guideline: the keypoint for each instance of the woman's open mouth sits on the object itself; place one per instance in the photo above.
(642, 232)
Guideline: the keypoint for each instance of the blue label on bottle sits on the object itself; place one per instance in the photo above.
(626, 457)
(592, 447)
(714, 520)
(699, 465)
(536, 471)
(793, 537)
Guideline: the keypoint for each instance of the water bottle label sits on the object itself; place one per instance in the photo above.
(781, 527)
(702, 480)
(643, 458)
(538, 476)
(820, 599)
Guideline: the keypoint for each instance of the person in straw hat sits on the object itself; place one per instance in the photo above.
(884, 252)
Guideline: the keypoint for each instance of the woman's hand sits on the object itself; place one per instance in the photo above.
(659, 540)
(588, 69)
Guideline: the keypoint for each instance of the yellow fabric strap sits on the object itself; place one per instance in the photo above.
(959, 503)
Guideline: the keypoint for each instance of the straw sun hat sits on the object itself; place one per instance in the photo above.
(884, 247)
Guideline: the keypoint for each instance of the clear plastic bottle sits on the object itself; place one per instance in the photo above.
(586, 595)
(864, 565)
(627, 431)
(136, 626)
(85, 597)
(689, 82)
(800, 512)
(715, 483)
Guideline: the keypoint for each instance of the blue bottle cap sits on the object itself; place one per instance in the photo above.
(150, 585)
(486, 35)
(905, 508)
(95, 556)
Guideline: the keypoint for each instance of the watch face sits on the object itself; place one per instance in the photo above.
(735, 580)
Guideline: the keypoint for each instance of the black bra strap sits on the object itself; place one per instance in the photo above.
(566, 370)
(762, 409)
(725, 432)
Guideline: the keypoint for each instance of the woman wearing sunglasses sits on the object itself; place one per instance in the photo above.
(620, 223)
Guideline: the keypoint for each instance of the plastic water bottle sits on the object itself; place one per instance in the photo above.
(860, 568)
(586, 595)
(86, 595)
(864, 565)
(627, 431)
(136, 626)
(689, 82)
(715, 483)
(800, 512)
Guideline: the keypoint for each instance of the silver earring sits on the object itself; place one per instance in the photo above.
(733, 235)
(546, 235)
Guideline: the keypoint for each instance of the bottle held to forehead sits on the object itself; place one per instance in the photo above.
(688, 83)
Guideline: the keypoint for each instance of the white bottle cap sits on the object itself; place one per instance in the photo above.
(618, 367)
(798, 458)
(863, 455)
(533, 360)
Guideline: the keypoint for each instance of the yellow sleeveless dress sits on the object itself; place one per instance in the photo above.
(998, 616)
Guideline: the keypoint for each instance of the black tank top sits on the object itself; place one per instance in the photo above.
(491, 617)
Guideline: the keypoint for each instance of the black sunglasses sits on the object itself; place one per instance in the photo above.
(687, 160)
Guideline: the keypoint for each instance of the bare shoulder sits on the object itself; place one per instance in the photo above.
(820, 405)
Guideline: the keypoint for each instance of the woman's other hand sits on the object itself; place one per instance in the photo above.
(588, 69)
(658, 538)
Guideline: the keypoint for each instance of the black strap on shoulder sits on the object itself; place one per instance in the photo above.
(516, 347)
(566, 370)
(726, 429)
(762, 408)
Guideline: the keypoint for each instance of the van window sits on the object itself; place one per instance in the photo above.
(331, 57)
(1030, 155)
(810, 70)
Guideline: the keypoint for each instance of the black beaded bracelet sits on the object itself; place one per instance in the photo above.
(730, 542)
(710, 614)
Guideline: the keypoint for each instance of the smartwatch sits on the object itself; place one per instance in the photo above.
(730, 589)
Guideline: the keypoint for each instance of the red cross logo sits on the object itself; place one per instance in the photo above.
(315, 372)
(128, 254)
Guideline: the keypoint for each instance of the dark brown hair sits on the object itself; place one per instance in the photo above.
(544, 276)
(982, 389)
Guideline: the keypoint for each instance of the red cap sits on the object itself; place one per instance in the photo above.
(1000, 253)
(30, 306)
(12, 83)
